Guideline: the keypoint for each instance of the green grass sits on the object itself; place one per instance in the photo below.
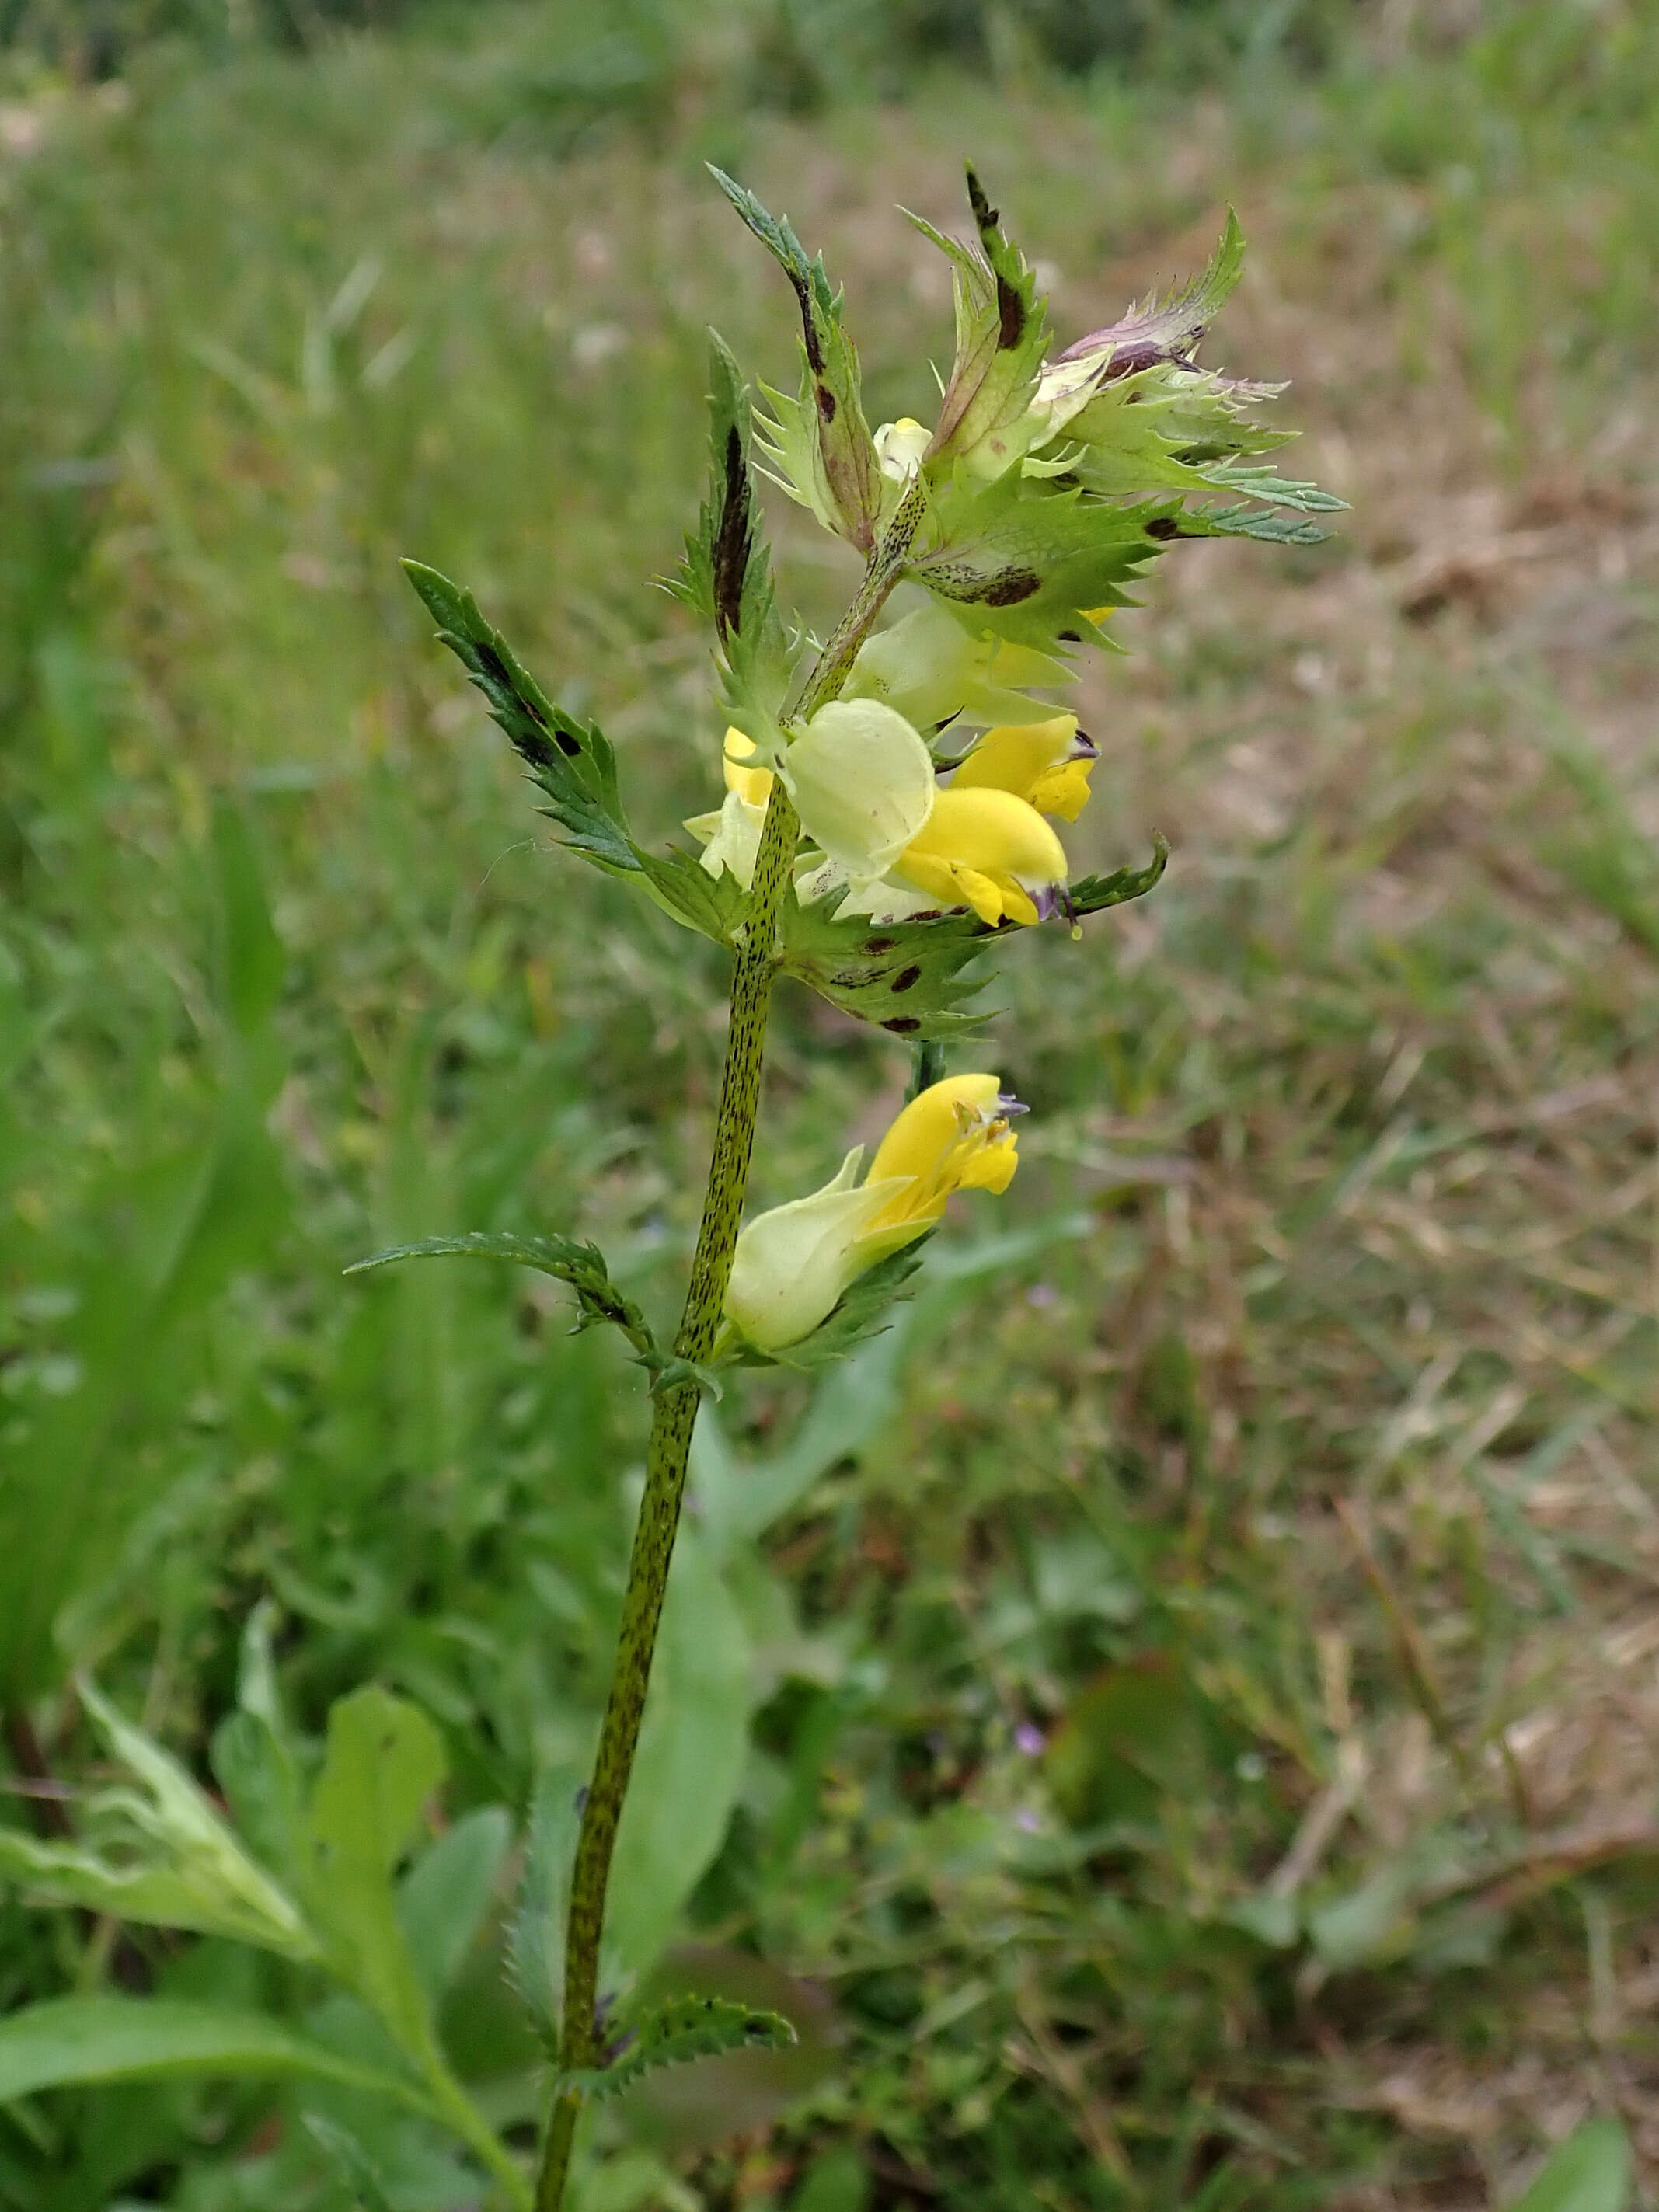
(1303, 1502)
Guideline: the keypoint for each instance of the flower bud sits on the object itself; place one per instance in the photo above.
(900, 447)
(931, 668)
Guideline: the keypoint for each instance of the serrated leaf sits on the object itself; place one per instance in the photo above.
(681, 886)
(907, 977)
(572, 762)
(582, 1266)
(1267, 526)
(726, 574)
(1092, 894)
(1178, 431)
(819, 443)
(69, 2040)
(1033, 562)
(861, 1312)
(674, 2033)
(903, 976)
(1002, 335)
(1590, 2171)
(159, 1854)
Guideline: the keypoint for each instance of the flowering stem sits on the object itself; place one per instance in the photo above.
(927, 1067)
(669, 1449)
(833, 664)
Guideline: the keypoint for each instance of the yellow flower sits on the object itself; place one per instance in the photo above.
(954, 1136)
(752, 785)
(989, 850)
(731, 837)
(793, 1264)
(1045, 763)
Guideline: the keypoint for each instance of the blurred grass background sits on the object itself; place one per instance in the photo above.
(1202, 1715)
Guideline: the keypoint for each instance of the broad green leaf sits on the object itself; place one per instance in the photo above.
(351, 2162)
(383, 1762)
(693, 1745)
(256, 1773)
(1262, 524)
(1370, 1924)
(159, 1854)
(581, 1266)
(819, 443)
(534, 1935)
(1590, 2171)
(673, 2034)
(572, 762)
(97, 2039)
(444, 1897)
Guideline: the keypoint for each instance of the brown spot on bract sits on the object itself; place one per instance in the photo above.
(905, 980)
(1008, 589)
(1011, 315)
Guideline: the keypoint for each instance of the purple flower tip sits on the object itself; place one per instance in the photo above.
(1029, 1738)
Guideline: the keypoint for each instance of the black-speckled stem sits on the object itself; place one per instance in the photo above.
(669, 1449)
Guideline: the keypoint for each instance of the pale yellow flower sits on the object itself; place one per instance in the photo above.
(794, 1263)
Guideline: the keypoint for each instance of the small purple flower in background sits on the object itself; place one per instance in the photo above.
(1028, 1820)
(1029, 1738)
(1042, 1294)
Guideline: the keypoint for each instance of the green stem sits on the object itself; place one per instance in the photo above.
(927, 1067)
(833, 664)
(666, 1457)
(668, 1452)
